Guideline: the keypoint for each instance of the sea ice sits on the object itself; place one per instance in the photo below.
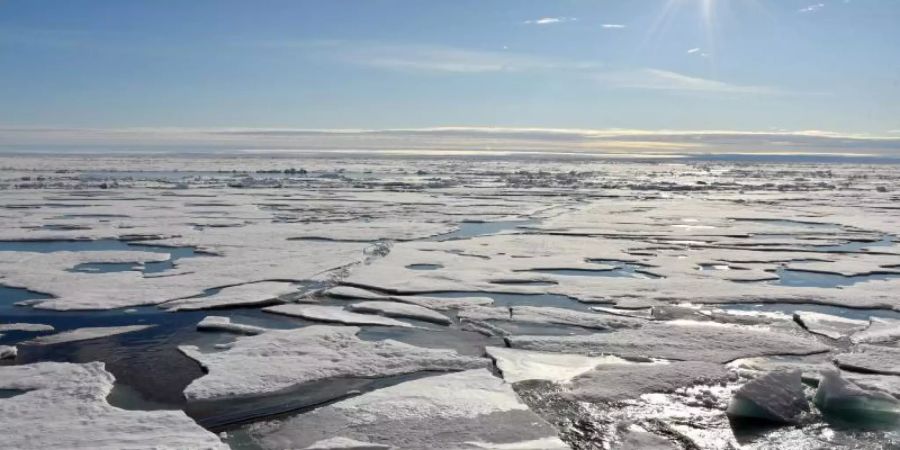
(64, 406)
(221, 323)
(281, 359)
(265, 292)
(401, 310)
(439, 303)
(834, 327)
(879, 331)
(464, 410)
(83, 334)
(8, 351)
(844, 401)
(871, 358)
(775, 396)
(31, 327)
(698, 341)
(606, 383)
(333, 314)
(520, 365)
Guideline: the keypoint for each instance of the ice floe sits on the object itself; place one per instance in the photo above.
(64, 405)
(879, 331)
(871, 358)
(776, 396)
(30, 327)
(221, 323)
(844, 401)
(520, 365)
(400, 310)
(333, 314)
(464, 410)
(262, 293)
(834, 327)
(439, 303)
(8, 351)
(692, 342)
(282, 359)
(84, 334)
(614, 382)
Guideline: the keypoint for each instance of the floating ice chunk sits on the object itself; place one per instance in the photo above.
(551, 315)
(333, 314)
(690, 341)
(281, 359)
(871, 358)
(84, 334)
(342, 443)
(31, 327)
(606, 383)
(441, 303)
(402, 310)
(465, 410)
(64, 406)
(879, 331)
(834, 327)
(8, 352)
(844, 401)
(776, 397)
(519, 365)
(220, 323)
(354, 293)
(265, 292)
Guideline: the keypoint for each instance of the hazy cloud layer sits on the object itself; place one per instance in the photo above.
(459, 139)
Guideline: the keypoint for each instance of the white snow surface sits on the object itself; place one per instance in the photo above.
(64, 407)
(690, 341)
(221, 323)
(282, 359)
(333, 314)
(400, 310)
(834, 327)
(464, 410)
(84, 334)
(31, 327)
(871, 358)
(879, 331)
(242, 295)
(520, 365)
(776, 396)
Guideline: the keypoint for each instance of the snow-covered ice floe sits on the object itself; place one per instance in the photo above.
(333, 314)
(834, 327)
(688, 341)
(281, 359)
(84, 334)
(8, 351)
(872, 359)
(265, 292)
(400, 310)
(465, 410)
(31, 327)
(520, 365)
(221, 323)
(64, 406)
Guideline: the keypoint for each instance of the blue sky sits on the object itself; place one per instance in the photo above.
(764, 66)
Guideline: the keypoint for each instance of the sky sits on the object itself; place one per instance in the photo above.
(591, 75)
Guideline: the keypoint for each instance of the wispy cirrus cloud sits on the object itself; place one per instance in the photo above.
(811, 8)
(550, 20)
(430, 58)
(454, 60)
(613, 26)
(664, 80)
